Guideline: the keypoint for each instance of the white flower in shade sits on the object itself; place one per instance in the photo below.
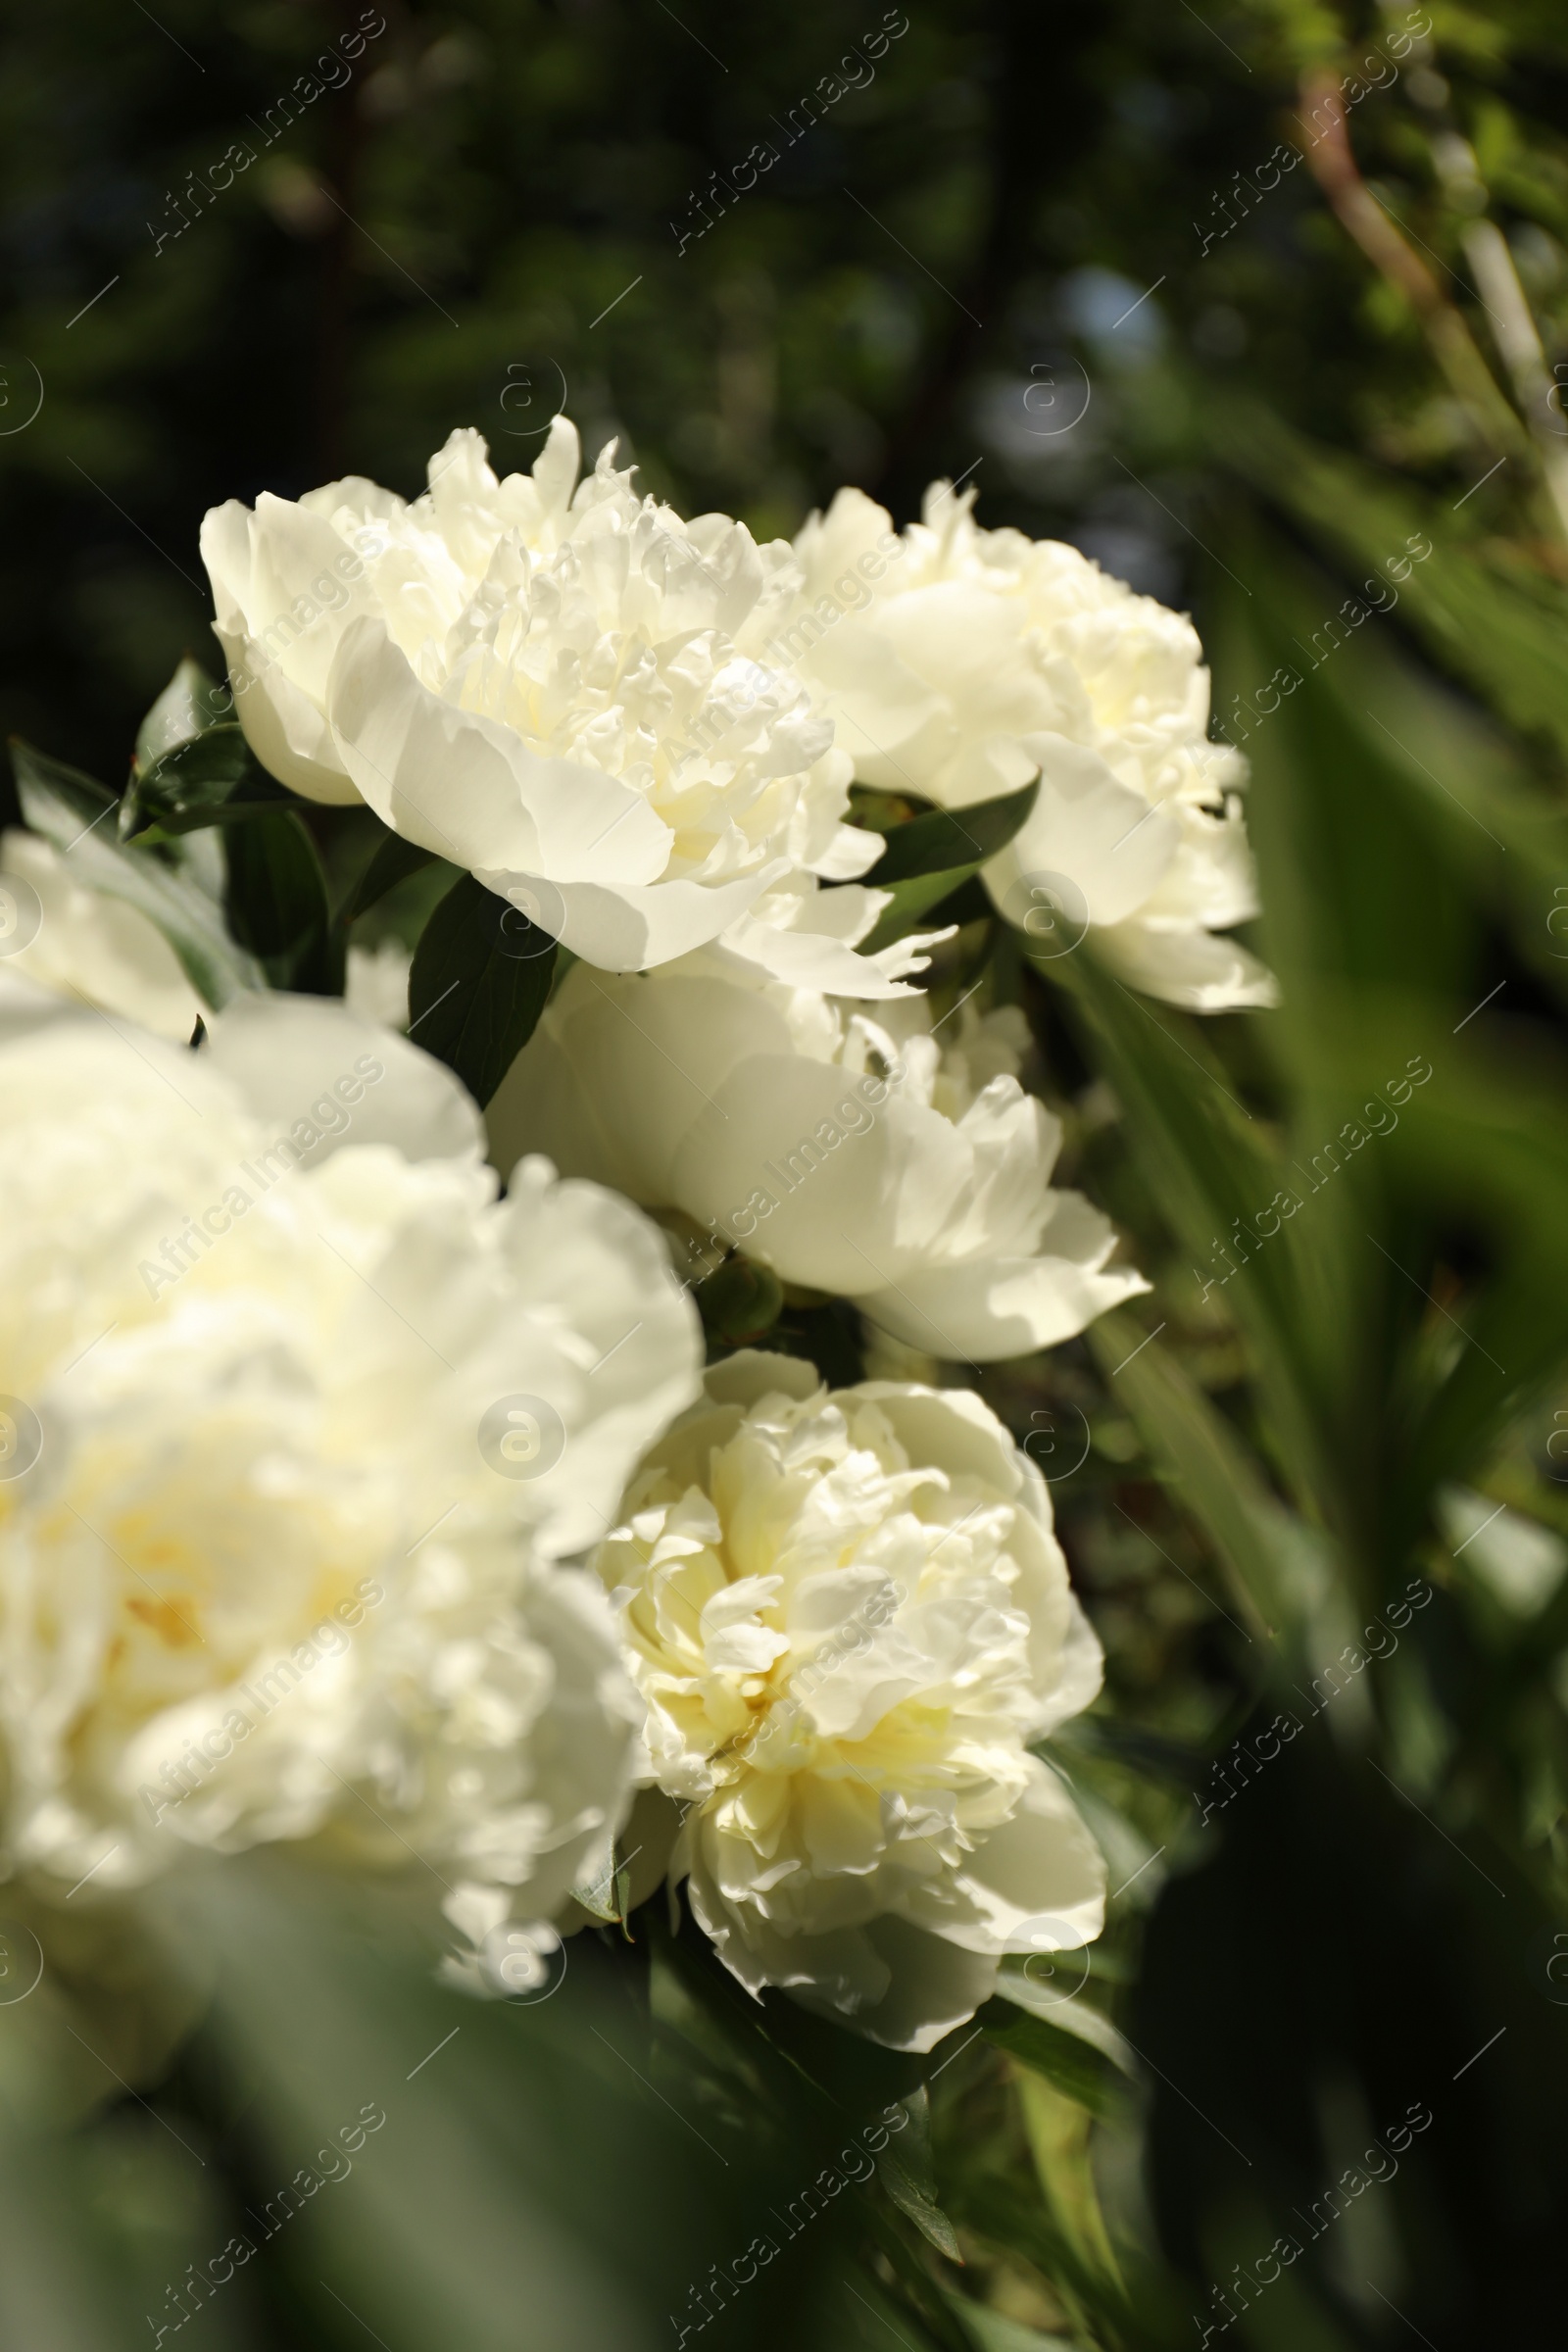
(964, 662)
(277, 1367)
(850, 1621)
(81, 944)
(376, 983)
(855, 1154)
(558, 686)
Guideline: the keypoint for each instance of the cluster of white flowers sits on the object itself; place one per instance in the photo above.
(258, 1577)
(971, 661)
(312, 1434)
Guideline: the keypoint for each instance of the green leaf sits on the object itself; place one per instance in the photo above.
(276, 900)
(1487, 616)
(1070, 2013)
(911, 899)
(480, 980)
(1063, 2137)
(75, 814)
(211, 779)
(190, 703)
(1459, 792)
(1011, 2214)
(498, 2158)
(970, 902)
(908, 2175)
(599, 1896)
(1272, 1565)
(1210, 1167)
(1078, 2068)
(1379, 954)
(913, 2201)
(947, 839)
(393, 862)
(992, 2331)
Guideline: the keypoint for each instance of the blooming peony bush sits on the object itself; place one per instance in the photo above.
(361, 1496)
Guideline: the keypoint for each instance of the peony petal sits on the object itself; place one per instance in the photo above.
(827, 1186)
(1039, 1875)
(311, 1060)
(1109, 842)
(25, 1005)
(753, 1373)
(932, 1987)
(629, 929)
(577, 1242)
(95, 949)
(439, 777)
(808, 959)
(989, 1308)
(851, 853)
(892, 724)
(289, 732)
(1202, 971)
(663, 1050)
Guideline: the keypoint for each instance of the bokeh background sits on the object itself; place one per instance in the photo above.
(1061, 255)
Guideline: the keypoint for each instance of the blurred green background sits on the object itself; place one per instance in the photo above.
(1061, 252)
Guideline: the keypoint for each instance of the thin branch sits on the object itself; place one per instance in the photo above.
(1332, 165)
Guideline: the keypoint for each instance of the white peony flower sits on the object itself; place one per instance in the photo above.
(861, 1155)
(561, 691)
(81, 944)
(279, 1368)
(850, 1620)
(959, 662)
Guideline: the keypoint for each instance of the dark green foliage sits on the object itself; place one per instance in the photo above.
(480, 980)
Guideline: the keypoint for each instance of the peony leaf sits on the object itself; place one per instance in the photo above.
(62, 2255)
(949, 838)
(911, 899)
(600, 1896)
(73, 812)
(212, 778)
(480, 979)
(276, 902)
(1492, 620)
(911, 2199)
(393, 862)
(992, 2331)
(1070, 2013)
(1062, 2137)
(1012, 2213)
(521, 2161)
(917, 2159)
(1212, 1169)
(191, 703)
(1372, 953)
(1077, 2066)
(1276, 1573)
